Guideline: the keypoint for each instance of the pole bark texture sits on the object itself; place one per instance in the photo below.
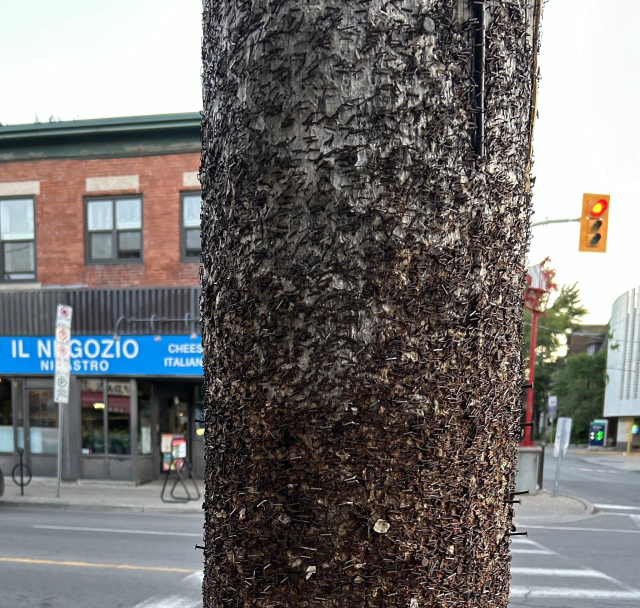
(363, 277)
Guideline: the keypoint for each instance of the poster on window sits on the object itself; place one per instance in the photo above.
(165, 443)
(178, 448)
(145, 439)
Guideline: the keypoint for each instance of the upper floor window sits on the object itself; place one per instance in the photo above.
(190, 225)
(17, 239)
(114, 230)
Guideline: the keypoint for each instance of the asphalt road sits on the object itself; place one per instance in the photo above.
(56, 558)
(53, 558)
(589, 563)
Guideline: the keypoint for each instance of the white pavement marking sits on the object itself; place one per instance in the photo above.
(636, 519)
(617, 507)
(116, 530)
(571, 593)
(189, 597)
(534, 547)
(576, 529)
(524, 541)
(568, 572)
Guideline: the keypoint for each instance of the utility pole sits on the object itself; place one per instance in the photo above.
(361, 309)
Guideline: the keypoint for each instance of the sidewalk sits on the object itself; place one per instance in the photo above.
(90, 495)
(613, 460)
(543, 508)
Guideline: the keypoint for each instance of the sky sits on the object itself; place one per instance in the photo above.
(96, 58)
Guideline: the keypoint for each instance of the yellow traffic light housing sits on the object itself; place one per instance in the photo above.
(594, 223)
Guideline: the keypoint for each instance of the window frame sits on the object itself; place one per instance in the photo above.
(183, 237)
(114, 231)
(4, 281)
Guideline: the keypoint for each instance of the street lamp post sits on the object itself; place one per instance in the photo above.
(527, 442)
(539, 283)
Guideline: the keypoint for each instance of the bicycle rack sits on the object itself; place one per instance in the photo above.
(182, 479)
(23, 467)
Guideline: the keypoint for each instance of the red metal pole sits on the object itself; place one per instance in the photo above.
(527, 442)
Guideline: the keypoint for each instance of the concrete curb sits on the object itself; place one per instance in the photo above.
(589, 508)
(559, 516)
(178, 510)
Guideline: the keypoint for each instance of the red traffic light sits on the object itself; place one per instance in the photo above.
(598, 208)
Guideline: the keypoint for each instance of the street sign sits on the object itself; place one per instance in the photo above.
(62, 354)
(563, 434)
(62, 375)
(598, 433)
(553, 407)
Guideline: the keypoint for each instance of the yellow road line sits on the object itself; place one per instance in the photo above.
(53, 562)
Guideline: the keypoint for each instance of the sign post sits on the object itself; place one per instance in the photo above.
(62, 374)
(553, 407)
(563, 434)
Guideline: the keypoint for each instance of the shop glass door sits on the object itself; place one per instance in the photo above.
(174, 416)
(43, 422)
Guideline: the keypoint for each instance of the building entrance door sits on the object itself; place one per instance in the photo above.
(175, 409)
(38, 430)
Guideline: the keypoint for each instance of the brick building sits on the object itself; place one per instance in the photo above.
(589, 339)
(102, 215)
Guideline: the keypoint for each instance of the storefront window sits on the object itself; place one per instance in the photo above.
(6, 416)
(43, 420)
(145, 445)
(119, 416)
(92, 415)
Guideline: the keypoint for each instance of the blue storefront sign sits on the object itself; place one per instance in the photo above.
(105, 355)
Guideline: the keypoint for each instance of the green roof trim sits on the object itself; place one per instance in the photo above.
(102, 137)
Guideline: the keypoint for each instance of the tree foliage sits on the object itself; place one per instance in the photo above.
(580, 389)
(561, 317)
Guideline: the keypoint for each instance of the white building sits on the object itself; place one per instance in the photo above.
(622, 395)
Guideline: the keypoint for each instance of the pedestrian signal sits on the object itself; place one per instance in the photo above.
(594, 223)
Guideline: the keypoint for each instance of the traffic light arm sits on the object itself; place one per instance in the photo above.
(545, 222)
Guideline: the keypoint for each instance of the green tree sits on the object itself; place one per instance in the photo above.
(580, 389)
(561, 317)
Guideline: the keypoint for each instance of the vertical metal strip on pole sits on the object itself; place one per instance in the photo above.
(478, 73)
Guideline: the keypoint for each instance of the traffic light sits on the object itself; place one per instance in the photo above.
(594, 222)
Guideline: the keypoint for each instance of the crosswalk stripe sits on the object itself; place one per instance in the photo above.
(578, 529)
(188, 595)
(568, 572)
(617, 507)
(573, 593)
